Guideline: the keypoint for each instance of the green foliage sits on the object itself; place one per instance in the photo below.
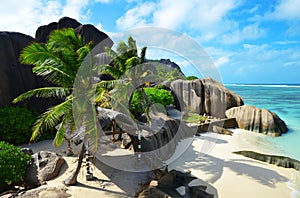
(13, 164)
(138, 103)
(15, 124)
(191, 78)
(57, 61)
(168, 74)
(194, 118)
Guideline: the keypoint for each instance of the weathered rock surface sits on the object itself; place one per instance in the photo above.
(159, 139)
(205, 96)
(178, 184)
(258, 120)
(47, 192)
(16, 78)
(43, 166)
(282, 161)
(91, 33)
(88, 32)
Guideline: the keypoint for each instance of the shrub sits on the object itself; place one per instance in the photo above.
(13, 164)
(192, 78)
(194, 118)
(15, 124)
(161, 96)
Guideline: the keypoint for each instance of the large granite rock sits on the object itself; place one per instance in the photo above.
(282, 161)
(91, 33)
(43, 166)
(42, 33)
(258, 120)
(16, 78)
(158, 140)
(205, 96)
(88, 32)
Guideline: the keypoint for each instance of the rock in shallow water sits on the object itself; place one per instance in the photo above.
(258, 120)
(282, 161)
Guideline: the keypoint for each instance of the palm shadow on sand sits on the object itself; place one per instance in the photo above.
(214, 167)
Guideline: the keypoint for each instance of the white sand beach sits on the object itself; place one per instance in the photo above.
(209, 157)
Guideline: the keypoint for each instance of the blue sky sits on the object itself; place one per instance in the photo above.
(255, 41)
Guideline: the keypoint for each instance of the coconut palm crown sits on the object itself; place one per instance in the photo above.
(56, 61)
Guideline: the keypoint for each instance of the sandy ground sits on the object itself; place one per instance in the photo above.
(209, 157)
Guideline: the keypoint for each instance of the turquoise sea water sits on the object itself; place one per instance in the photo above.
(284, 100)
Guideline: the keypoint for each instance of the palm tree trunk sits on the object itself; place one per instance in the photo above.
(69, 151)
(72, 180)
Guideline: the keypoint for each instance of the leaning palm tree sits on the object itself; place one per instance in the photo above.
(56, 61)
(123, 59)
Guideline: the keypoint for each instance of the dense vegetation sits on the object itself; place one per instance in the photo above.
(155, 95)
(15, 124)
(13, 165)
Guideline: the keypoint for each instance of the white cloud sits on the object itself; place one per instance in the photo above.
(136, 17)
(248, 46)
(206, 17)
(27, 16)
(293, 63)
(73, 8)
(221, 61)
(286, 10)
(250, 32)
(103, 1)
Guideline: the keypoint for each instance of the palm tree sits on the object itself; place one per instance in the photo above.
(57, 61)
(122, 60)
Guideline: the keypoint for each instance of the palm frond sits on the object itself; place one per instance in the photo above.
(37, 54)
(93, 129)
(51, 118)
(65, 39)
(44, 92)
(66, 124)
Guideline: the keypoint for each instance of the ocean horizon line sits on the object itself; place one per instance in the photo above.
(290, 85)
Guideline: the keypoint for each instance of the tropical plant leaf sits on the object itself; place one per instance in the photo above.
(51, 118)
(44, 92)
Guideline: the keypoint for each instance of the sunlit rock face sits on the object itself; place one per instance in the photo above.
(205, 96)
(258, 120)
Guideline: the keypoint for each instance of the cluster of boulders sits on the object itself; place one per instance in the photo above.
(207, 96)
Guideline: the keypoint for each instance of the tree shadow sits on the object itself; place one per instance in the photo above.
(129, 182)
(119, 194)
(214, 167)
(262, 175)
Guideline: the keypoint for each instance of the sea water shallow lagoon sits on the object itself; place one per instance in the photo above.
(284, 100)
